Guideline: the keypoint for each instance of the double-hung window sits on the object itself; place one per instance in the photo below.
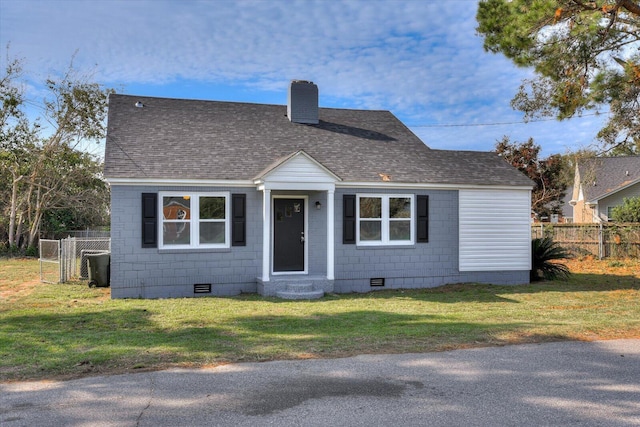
(385, 219)
(195, 220)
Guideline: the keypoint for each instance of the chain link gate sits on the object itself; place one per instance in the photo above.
(66, 259)
(49, 261)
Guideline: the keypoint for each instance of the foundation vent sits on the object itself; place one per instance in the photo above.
(379, 281)
(202, 288)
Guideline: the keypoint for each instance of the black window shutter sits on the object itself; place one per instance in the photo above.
(238, 220)
(149, 220)
(349, 219)
(422, 219)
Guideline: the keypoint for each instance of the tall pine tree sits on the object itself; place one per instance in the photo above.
(586, 56)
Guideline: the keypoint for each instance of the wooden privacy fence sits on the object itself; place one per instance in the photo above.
(610, 240)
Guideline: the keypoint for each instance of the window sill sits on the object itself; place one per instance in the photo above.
(192, 250)
(387, 246)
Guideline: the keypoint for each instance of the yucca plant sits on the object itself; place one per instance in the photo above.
(543, 251)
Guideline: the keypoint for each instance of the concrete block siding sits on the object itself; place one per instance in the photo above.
(417, 266)
(152, 273)
(421, 265)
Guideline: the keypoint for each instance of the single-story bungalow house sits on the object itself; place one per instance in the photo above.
(601, 184)
(220, 198)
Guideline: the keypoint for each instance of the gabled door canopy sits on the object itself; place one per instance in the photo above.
(297, 171)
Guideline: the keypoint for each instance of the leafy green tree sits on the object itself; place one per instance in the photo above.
(629, 211)
(42, 169)
(586, 55)
(17, 141)
(547, 174)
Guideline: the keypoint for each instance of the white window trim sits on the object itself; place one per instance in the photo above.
(195, 221)
(385, 220)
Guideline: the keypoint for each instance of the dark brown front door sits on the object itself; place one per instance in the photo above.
(288, 235)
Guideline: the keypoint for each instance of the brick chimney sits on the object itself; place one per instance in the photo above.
(302, 105)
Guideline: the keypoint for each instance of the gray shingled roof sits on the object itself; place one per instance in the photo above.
(601, 176)
(192, 139)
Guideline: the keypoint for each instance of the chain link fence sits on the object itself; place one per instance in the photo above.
(66, 259)
(84, 234)
(49, 261)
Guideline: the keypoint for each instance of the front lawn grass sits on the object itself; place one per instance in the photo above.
(69, 330)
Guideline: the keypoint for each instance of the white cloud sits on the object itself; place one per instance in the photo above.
(421, 60)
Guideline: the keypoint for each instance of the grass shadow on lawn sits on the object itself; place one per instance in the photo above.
(487, 293)
(105, 340)
(70, 330)
(582, 282)
(124, 340)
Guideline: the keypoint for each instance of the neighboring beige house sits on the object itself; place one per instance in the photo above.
(602, 183)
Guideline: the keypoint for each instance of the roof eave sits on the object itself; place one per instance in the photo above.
(180, 182)
(608, 193)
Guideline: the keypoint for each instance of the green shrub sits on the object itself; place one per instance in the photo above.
(629, 211)
(31, 252)
(543, 252)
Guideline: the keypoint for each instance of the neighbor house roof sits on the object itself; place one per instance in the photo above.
(212, 140)
(602, 176)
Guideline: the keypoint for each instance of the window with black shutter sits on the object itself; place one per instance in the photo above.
(149, 220)
(238, 219)
(422, 219)
(349, 219)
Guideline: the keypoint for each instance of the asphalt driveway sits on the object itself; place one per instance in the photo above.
(554, 384)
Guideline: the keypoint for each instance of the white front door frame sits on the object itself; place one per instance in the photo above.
(330, 233)
(266, 234)
(267, 229)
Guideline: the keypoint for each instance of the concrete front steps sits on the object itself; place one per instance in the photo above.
(299, 287)
(298, 290)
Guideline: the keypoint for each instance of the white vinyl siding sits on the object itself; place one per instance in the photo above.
(300, 169)
(495, 230)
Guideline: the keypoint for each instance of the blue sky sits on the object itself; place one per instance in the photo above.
(419, 59)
